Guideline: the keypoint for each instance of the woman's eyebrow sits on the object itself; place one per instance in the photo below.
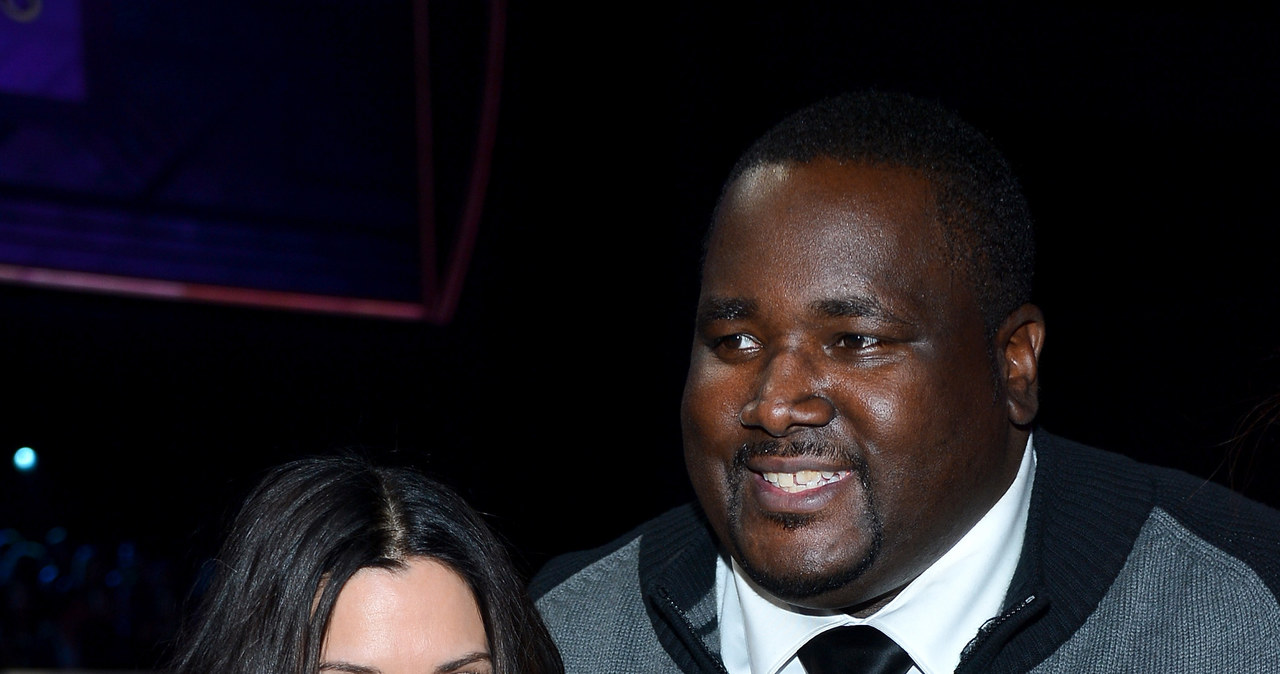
(348, 667)
(468, 659)
(444, 668)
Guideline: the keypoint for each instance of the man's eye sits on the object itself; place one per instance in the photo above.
(737, 342)
(856, 341)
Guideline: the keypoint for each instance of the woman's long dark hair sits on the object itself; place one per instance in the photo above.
(307, 527)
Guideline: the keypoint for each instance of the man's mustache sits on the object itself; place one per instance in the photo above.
(810, 447)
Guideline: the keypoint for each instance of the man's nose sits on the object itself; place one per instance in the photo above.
(788, 397)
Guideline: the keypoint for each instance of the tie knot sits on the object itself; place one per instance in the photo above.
(857, 649)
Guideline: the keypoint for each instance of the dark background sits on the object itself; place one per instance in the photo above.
(1146, 137)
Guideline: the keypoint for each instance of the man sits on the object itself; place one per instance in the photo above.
(859, 430)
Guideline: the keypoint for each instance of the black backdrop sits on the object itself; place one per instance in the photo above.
(1146, 138)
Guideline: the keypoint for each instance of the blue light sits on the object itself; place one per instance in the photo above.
(24, 460)
(125, 553)
(55, 536)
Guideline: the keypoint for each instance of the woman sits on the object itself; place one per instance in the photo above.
(336, 565)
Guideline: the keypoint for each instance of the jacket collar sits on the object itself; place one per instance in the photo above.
(1087, 507)
(678, 577)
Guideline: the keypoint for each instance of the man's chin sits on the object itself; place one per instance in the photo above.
(807, 587)
(797, 559)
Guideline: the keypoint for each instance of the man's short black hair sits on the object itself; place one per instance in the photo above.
(986, 220)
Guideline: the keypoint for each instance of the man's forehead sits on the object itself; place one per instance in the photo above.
(837, 223)
(826, 238)
(830, 204)
(854, 180)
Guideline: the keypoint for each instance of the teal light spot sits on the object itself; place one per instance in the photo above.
(24, 460)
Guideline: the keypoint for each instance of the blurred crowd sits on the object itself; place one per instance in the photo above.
(67, 603)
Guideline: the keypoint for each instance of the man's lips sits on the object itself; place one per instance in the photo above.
(803, 480)
(797, 484)
(796, 476)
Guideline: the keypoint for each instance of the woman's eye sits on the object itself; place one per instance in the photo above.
(737, 342)
(856, 341)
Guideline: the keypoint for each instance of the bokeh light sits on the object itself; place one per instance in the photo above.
(24, 459)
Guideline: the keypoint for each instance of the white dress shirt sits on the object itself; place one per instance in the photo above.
(932, 618)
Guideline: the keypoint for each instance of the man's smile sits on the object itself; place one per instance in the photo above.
(804, 480)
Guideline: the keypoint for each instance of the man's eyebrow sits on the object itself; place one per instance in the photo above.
(724, 309)
(468, 659)
(735, 308)
(854, 307)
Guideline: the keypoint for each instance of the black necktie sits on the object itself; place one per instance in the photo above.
(856, 649)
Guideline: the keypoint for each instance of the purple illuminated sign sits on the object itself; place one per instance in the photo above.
(42, 49)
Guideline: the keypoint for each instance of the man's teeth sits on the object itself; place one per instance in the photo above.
(804, 480)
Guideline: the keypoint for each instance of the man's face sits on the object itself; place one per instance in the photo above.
(842, 422)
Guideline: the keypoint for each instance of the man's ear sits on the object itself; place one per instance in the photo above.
(1019, 341)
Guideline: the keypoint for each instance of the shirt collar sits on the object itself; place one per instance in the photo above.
(932, 618)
